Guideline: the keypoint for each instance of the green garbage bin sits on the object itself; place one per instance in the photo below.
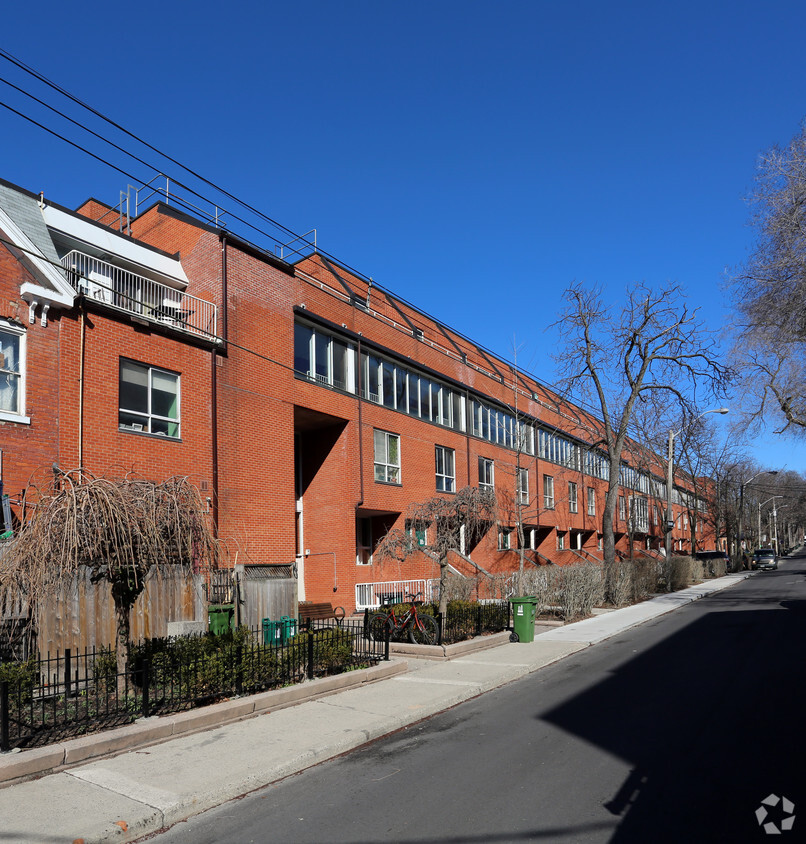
(288, 627)
(524, 611)
(272, 632)
(220, 617)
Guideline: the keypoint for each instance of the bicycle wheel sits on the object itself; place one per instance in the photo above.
(378, 625)
(423, 630)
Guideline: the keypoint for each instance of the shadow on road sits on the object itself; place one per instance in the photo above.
(711, 722)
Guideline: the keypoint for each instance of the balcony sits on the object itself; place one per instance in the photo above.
(142, 297)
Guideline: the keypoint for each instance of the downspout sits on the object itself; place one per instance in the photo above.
(83, 331)
(468, 426)
(360, 385)
(223, 237)
(214, 382)
(214, 434)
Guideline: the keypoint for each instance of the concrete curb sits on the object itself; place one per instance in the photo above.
(146, 731)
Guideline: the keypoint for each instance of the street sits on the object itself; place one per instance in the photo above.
(674, 730)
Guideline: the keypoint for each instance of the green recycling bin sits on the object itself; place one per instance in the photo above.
(272, 632)
(220, 617)
(524, 611)
(288, 628)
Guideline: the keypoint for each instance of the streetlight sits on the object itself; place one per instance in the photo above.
(775, 519)
(741, 507)
(670, 480)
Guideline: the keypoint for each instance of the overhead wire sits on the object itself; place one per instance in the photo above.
(189, 206)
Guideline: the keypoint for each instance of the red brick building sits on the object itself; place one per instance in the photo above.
(310, 407)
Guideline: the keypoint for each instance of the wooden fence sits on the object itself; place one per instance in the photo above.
(81, 614)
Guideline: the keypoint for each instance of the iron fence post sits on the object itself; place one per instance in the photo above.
(309, 672)
(387, 635)
(478, 619)
(146, 669)
(68, 686)
(238, 669)
(4, 740)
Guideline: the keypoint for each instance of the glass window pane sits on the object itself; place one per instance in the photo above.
(414, 395)
(425, 398)
(133, 387)
(164, 394)
(388, 385)
(400, 384)
(302, 348)
(322, 347)
(340, 353)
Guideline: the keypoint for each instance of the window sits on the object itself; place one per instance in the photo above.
(622, 508)
(523, 486)
(548, 492)
(530, 538)
(445, 469)
(363, 542)
(504, 539)
(12, 372)
(324, 358)
(591, 501)
(599, 544)
(387, 457)
(560, 541)
(486, 473)
(149, 400)
(573, 504)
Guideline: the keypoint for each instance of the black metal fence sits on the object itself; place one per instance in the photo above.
(465, 620)
(49, 700)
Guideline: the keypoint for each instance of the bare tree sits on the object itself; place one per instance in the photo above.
(119, 528)
(770, 290)
(446, 524)
(655, 350)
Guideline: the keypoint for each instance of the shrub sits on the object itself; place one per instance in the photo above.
(21, 678)
(682, 572)
(581, 589)
(621, 583)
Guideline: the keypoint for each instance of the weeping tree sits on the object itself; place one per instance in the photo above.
(120, 529)
(445, 525)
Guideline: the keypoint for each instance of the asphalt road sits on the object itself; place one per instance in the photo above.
(673, 731)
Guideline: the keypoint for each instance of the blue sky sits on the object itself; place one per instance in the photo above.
(474, 157)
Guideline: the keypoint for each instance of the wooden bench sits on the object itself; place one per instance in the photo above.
(320, 612)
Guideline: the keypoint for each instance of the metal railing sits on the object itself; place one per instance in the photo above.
(49, 700)
(372, 595)
(126, 291)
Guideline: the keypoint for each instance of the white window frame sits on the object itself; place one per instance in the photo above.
(445, 468)
(573, 497)
(486, 470)
(523, 485)
(591, 501)
(622, 508)
(149, 416)
(390, 471)
(560, 540)
(548, 492)
(505, 538)
(17, 415)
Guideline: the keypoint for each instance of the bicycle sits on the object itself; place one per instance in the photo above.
(422, 628)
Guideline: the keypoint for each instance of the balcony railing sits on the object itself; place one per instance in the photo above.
(143, 297)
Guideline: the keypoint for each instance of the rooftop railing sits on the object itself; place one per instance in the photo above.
(134, 294)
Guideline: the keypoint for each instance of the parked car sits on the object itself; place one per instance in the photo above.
(765, 559)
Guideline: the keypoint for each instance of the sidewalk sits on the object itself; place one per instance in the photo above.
(203, 758)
